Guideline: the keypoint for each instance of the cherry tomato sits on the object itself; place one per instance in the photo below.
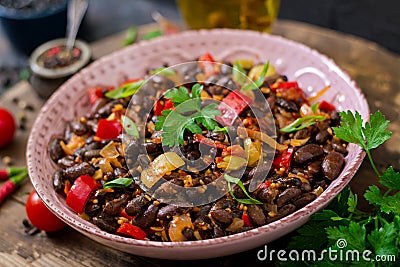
(7, 127)
(40, 216)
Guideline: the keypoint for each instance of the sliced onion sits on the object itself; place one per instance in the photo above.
(252, 151)
(109, 151)
(176, 227)
(244, 132)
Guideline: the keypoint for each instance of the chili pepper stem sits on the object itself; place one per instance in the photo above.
(18, 178)
(9, 172)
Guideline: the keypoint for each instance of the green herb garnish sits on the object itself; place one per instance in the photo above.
(165, 71)
(119, 183)
(129, 126)
(301, 123)
(131, 34)
(152, 35)
(237, 181)
(223, 129)
(257, 84)
(188, 115)
(125, 90)
(377, 231)
(238, 73)
(314, 107)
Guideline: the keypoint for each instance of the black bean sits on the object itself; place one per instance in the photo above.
(92, 209)
(259, 172)
(332, 165)
(188, 233)
(114, 206)
(147, 218)
(322, 136)
(256, 214)
(56, 152)
(286, 104)
(204, 210)
(106, 223)
(193, 155)
(304, 199)
(171, 210)
(222, 216)
(295, 182)
(335, 118)
(308, 153)
(217, 232)
(120, 172)
(287, 195)
(313, 168)
(66, 161)
(78, 170)
(78, 127)
(131, 152)
(267, 194)
(306, 187)
(136, 205)
(153, 148)
(58, 181)
(282, 212)
(94, 153)
(338, 146)
(302, 134)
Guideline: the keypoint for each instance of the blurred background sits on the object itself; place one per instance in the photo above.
(378, 21)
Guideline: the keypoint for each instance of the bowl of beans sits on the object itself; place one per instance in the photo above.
(196, 145)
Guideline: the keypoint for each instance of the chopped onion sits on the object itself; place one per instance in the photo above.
(176, 227)
(109, 151)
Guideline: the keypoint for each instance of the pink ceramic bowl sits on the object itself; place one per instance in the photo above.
(298, 62)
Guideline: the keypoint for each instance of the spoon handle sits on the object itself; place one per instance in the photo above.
(76, 10)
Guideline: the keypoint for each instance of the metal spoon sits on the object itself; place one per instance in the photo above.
(76, 10)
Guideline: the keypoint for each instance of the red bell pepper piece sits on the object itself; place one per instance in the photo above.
(283, 85)
(246, 220)
(108, 129)
(208, 142)
(326, 106)
(123, 213)
(80, 192)
(264, 185)
(131, 231)
(232, 106)
(160, 106)
(95, 93)
(283, 159)
(207, 64)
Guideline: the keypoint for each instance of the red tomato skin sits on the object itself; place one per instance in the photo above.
(40, 216)
(7, 127)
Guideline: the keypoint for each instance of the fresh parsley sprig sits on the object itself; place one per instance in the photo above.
(377, 231)
(187, 115)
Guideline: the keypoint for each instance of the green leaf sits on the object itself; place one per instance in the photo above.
(257, 84)
(340, 203)
(324, 215)
(177, 95)
(390, 178)
(238, 73)
(196, 90)
(387, 204)
(211, 110)
(383, 240)
(354, 234)
(129, 126)
(350, 129)
(352, 203)
(237, 181)
(314, 107)
(193, 127)
(131, 34)
(125, 90)
(223, 129)
(165, 71)
(152, 35)
(301, 123)
(375, 131)
(119, 183)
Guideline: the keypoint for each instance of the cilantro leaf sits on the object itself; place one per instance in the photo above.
(375, 131)
(354, 234)
(196, 90)
(383, 240)
(390, 178)
(352, 202)
(177, 95)
(350, 129)
(387, 204)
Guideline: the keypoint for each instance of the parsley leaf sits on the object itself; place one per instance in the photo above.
(350, 129)
(375, 132)
(390, 178)
(387, 204)
(354, 234)
(178, 95)
(383, 240)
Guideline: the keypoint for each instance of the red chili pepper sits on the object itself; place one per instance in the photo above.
(95, 93)
(108, 129)
(232, 106)
(207, 64)
(80, 192)
(283, 159)
(326, 106)
(9, 172)
(208, 142)
(264, 185)
(125, 215)
(283, 85)
(131, 231)
(246, 220)
(9, 186)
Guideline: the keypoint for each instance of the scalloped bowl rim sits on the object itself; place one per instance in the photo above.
(291, 221)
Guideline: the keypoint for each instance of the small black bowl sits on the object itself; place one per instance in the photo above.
(26, 29)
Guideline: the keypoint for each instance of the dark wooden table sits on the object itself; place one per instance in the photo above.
(374, 69)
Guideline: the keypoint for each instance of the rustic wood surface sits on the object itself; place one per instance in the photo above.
(374, 69)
